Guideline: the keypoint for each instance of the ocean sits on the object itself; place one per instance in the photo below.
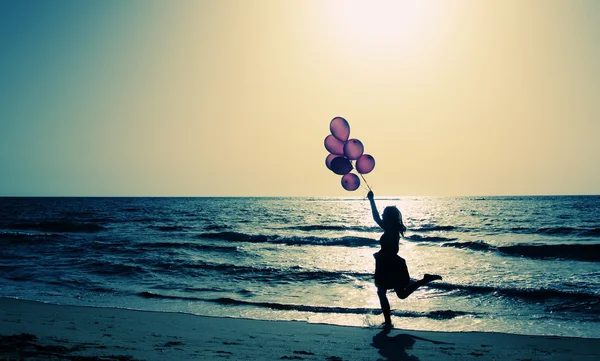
(523, 265)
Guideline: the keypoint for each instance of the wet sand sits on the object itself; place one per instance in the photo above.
(38, 331)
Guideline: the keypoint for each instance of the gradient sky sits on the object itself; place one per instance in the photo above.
(234, 98)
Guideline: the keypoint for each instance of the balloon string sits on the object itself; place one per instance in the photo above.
(363, 178)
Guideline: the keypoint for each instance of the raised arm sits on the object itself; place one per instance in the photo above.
(376, 216)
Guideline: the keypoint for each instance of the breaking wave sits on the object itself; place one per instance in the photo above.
(579, 252)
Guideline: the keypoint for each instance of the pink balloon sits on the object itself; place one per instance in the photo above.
(365, 163)
(350, 182)
(328, 160)
(353, 149)
(341, 165)
(333, 145)
(340, 128)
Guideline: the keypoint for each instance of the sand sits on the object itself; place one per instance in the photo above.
(37, 331)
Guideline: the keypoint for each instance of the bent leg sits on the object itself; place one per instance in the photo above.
(385, 305)
(405, 292)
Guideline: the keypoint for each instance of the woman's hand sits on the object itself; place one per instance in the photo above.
(370, 195)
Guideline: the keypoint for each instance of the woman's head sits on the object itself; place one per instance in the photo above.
(392, 219)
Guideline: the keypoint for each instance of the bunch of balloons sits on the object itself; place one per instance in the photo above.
(343, 151)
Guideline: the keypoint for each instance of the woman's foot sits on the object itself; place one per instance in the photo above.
(428, 278)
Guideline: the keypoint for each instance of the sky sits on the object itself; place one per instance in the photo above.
(234, 97)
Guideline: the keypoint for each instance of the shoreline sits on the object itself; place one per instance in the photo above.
(40, 331)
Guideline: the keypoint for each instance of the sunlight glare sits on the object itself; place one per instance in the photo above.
(381, 23)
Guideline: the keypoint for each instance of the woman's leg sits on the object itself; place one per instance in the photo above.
(405, 292)
(385, 305)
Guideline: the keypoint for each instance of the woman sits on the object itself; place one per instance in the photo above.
(390, 269)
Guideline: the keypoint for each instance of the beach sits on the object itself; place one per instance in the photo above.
(37, 331)
(292, 279)
(517, 265)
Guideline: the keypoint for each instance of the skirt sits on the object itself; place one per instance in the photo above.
(390, 271)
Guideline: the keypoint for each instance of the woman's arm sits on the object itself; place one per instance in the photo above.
(376, 216)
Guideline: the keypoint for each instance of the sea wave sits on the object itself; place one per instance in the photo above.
(175, 246)
(579, 252)
(433, 239)
(348, 241)
(57, 226)
(471, 245)
(326, 227)
(569, 231)
(103, 267)
(341, 228)
(559, 231)
(269, 275)
(432, 228)
(576, 301)
(215, 227)
(170, 228)
(528, 294)
(28, 238)
(226, 301)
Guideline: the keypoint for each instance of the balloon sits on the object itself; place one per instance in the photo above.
(340, 128)
(365, 163)
(341, 165)
(328, 160)
(353, 149)
(350, 182)
(334, 145)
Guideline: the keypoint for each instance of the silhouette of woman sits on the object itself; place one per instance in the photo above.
(390, 269)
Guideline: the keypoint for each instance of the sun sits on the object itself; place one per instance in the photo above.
(372, 25)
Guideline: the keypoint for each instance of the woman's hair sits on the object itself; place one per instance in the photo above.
(392, 220)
